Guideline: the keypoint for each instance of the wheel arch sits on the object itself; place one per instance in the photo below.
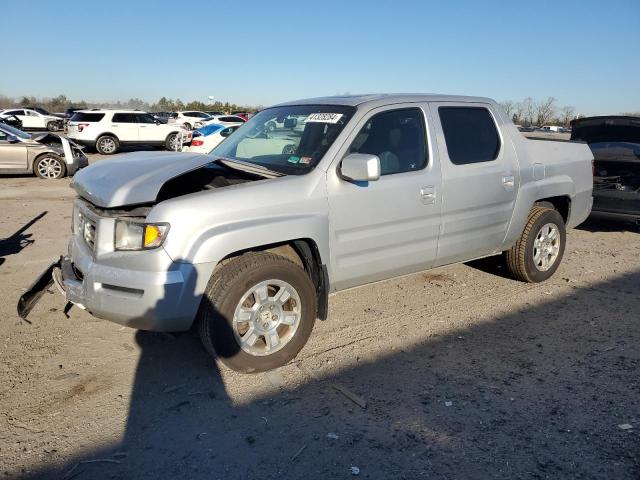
(106, 134)
(34, 161)
(558, 191)
(305, 253)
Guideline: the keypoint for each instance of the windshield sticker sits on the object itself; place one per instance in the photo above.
(305, 160)
(293, 159)
(324, 117)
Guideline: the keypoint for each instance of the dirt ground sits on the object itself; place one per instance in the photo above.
(458, 373)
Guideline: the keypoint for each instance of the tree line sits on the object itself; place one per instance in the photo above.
(61, 102)
(528, 112)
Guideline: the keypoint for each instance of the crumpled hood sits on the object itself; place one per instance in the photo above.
(133, 178)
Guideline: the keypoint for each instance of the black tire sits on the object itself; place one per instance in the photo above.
(224, 292)
(49, 166)
(52, 126)
(520, 258)
(187, 125)
(170, 138)
(271, 126)
(107, 145)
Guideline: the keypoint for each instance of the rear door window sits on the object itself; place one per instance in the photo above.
(86, 117)
(470, 134)
(125, 118)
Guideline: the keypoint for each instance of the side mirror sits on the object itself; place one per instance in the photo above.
(12, 138)
(360, 167)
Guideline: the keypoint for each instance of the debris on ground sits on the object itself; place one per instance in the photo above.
(357, 399)
(332, 436)
(448, 403)
(355, 470)
(173, 388)
(297, 454)
(625, 426)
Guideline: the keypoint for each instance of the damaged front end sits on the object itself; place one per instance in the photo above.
(116, 266)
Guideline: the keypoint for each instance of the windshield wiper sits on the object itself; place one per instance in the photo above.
(249, 167)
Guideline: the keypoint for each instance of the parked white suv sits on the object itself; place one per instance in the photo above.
(107, 130)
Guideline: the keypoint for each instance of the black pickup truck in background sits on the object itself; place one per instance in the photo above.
(615, 143)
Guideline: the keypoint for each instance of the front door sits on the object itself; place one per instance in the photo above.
(13, 156)
(149, 130)
(480, 177)
(390, 226)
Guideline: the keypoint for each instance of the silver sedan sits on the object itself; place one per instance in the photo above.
(46, 155)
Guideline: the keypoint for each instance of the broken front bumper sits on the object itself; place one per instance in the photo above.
(165, 300)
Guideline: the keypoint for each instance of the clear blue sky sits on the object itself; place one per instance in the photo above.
(584, 53)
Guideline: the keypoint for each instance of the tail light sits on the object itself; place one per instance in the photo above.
(197, 142)
(81, 126)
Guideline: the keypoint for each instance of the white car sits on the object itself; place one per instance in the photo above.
(33, 120)
(208, 137)
(107, 130)
(226, 120)
(192, 119)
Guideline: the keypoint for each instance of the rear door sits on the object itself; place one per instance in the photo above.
(387, 227)
(480, 176)
(13, 156)
(125, 126)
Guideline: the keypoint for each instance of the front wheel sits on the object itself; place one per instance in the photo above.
(171, 143)
(538, 252)
(52, 126)
(49, 167)
(257, 312)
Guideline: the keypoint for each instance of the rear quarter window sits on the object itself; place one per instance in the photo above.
(87, 117)
(470, 134)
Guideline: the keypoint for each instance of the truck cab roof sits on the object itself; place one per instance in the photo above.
(379, 99)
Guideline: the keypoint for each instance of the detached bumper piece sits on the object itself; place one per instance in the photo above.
(54, 274)
(35, 291)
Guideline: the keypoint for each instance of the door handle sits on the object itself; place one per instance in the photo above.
(428, 195)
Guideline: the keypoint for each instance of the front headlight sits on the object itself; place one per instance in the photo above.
(139, 236)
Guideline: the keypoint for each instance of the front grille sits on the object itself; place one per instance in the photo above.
(88, 231)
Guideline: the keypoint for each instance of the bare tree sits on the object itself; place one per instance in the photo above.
(507, 105)
(518, 112)
(528, 109)
(545, 110)
(567, 113)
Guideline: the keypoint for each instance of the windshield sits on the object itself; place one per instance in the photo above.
(16, 132)
(289, 139)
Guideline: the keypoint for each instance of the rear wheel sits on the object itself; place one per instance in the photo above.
(171, 143)
(187, 126)
(52, 126)
(49, 166)
(107, 145)
(538, 252)
(257, 312)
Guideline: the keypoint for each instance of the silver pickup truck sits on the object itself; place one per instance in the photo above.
(248, 242)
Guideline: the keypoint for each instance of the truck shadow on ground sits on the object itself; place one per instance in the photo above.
(537, 393)
(18, 240)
